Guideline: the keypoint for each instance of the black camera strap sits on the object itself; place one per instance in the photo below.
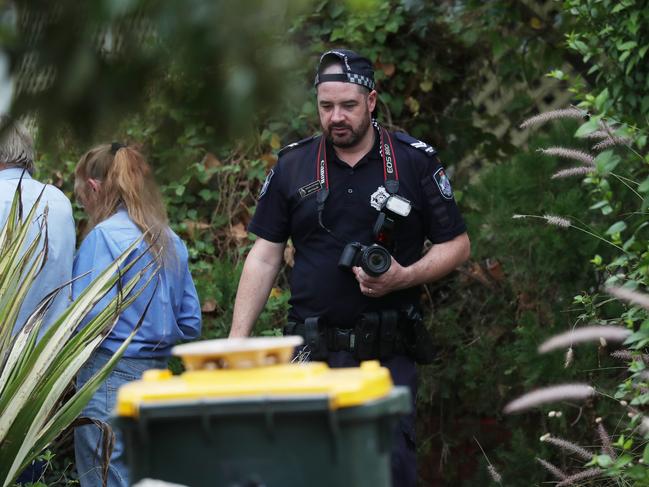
(390, 172)
(386, 149)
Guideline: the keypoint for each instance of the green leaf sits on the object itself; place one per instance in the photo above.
(607, 161)
(587, 128)
(603, 461)
(601, 99)
(644, 186)
(627, 45)
(598, 205)
(617, 227)
(622, 460)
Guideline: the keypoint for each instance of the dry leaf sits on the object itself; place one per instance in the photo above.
(388, 69)
(289, 255)
(209, 306)
(275, 143)
(210, 161)
(194, 226)
(269, 160)
(495, 270)
(475, 271)
(238, 232)
(536, 23)
(426, 86)
(413, 105)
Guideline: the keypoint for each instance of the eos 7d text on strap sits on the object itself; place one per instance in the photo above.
(390, 171)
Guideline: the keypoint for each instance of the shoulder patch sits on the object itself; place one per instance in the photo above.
(294, 145)
(415, 143)
(264, 187)
(443, 183)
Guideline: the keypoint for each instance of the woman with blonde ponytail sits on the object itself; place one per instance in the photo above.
(115, 185)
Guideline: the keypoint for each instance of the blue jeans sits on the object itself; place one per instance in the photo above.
(88, 438)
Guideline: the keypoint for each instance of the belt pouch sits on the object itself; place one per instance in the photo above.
(389, 324)
(367, 331)
(314, 338)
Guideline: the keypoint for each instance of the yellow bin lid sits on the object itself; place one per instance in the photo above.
(253, 367)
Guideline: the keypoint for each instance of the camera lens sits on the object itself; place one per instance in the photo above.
(375, 260)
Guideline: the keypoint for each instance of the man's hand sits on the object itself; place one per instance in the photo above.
(397, 277)
(440, 259)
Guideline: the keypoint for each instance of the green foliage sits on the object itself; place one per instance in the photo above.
(91, 67)
(617, 218)
(489, 322)
(613, 38)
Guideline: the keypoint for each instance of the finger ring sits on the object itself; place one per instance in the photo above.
(370, 290)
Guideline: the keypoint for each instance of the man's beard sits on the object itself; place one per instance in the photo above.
(352, 138)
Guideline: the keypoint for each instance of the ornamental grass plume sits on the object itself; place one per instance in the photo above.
(597, 134)
(563, 392)
(570, 358)
(605, 438)
(573, 171)
(549, 219)
(591, 473)
(542, 118)
(611, 142)
(493, 473)
(559, 475)
(632, 297)
(557, 221)
(628, 355)
(585, 334)
(568, 446)
(577, 155)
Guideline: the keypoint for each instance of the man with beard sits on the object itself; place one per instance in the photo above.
(346, 198)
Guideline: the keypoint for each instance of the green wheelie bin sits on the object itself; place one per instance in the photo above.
(242, 416)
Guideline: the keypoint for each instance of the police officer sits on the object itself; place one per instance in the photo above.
(358, 202)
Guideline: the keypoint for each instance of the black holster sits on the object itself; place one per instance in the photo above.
(313, 331)
(367, 332)
(417, 340)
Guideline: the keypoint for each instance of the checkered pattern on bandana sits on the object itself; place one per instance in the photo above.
(359, 79)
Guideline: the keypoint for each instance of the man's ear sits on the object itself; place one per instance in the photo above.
(94, 184)
(371, 100)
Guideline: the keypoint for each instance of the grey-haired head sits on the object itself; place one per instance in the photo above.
(16, 145)
(354, 68)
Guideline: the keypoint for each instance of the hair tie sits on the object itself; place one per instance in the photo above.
(115, 146)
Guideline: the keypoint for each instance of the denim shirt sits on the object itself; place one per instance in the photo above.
(60, 240)
(174, 313)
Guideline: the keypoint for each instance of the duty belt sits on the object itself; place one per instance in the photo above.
(376, 335)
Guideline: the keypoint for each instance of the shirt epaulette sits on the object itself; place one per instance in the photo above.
(294, 145)
(415, 143)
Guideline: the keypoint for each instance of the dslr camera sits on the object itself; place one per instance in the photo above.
(373, 259)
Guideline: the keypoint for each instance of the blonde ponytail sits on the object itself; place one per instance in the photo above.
(126, 180)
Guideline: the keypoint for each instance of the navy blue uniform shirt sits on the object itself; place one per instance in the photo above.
(318, 286)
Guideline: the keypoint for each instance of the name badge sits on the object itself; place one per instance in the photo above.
(310, 188)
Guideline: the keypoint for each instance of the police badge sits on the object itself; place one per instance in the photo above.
(378, 198)
(443, 183)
